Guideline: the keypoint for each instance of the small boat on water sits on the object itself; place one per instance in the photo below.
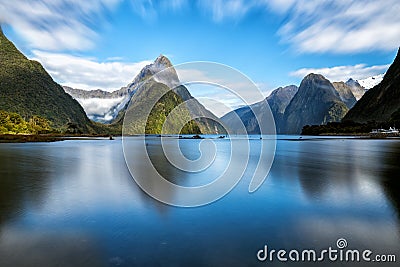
(383, 132)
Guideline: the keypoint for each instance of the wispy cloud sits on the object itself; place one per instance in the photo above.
(315, 26)
(148, 9)
(223, 9)
(56, 24)
(343, 73)
(88, 73)
(342, 26)
(311, 26)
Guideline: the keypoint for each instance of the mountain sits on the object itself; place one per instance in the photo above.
(206, 120)
(359, 87)
(357, 90)
(161, 75)
(277, 101)
(370, 82)
(382, 101)
(109, 107)
(27, 89)
(316, 102)
(345, 93)
(102, 106)
(138, 121)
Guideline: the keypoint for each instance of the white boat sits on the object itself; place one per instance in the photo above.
(391, 131)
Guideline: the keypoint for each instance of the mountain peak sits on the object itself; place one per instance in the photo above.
(352, 82)
(314, 76)
(316, 102)
(162, 61)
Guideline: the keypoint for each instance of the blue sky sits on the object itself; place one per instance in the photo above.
(104, 43)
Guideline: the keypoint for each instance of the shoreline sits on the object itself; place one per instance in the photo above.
(46, 138)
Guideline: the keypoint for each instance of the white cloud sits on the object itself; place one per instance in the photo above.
(343, 73)
(148, 9)
(342, 26)
(102, 108)
(88, 73)
(315, 26)
(222, 9)
(56, 24)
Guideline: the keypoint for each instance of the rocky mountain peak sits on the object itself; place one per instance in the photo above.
(317, 84)
(345, 93)
(316, 102)
(314, 76)
(162, 62)
(162, 70)
(356, 88)
(351, 82)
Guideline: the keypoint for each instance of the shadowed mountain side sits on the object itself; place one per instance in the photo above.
(382, 101)
(316, 102)
(277, 101)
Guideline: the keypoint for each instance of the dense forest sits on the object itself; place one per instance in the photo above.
(13, 123)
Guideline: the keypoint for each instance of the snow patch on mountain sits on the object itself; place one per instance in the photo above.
(370, 82)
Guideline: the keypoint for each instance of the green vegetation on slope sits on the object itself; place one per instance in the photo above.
(138, 119)
(159, 113)
(27, 89)
(13, 123)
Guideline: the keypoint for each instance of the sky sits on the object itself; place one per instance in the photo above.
(104, 43)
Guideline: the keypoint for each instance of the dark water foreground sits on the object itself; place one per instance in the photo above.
(74, 203)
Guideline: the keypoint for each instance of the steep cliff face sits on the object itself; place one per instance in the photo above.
(382, 101)
(316, 102)
(278, 101)
(27, 89)
(345, 93)
(355, 87)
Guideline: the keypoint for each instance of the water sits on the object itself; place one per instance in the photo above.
(74, 203)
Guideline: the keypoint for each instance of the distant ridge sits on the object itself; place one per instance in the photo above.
(277, 101)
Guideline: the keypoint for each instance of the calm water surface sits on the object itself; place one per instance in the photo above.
(74, 203)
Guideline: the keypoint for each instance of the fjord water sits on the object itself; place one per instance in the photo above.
(74, 203)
